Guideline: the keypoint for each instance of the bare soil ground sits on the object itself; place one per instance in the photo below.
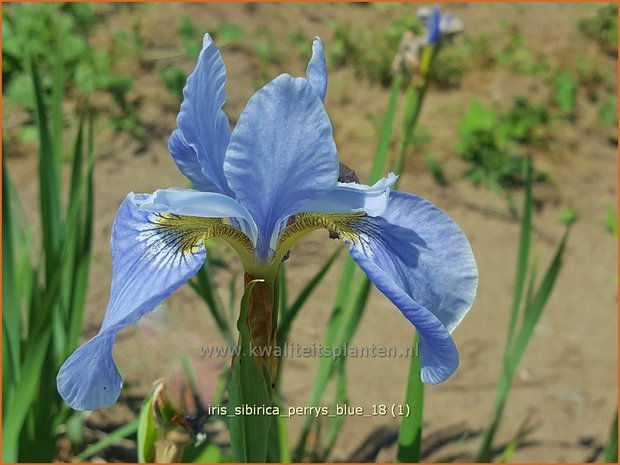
(566, 386)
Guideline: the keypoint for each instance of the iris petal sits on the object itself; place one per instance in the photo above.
(317, 69)
(281, 154)
(421, 260)
(150, 259)
(203, 204)
(438, 353)
(203, 125)
(187, 162)
(353, 197)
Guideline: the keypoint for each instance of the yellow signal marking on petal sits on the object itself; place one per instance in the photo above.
(191, 231)
(344, 224)
(341, 223)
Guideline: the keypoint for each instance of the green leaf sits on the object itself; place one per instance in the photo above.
(120, 433)
(534, 310)
(565, 93)
(248, 386)
(11, 327)
(341, 397)
(522, 255)
(380, 159)
(291, 313)
(27, 387)
(410, 433)
(48, 182)
(611, 220)
(204, 286)
(610, 454)
(147, 430)
(535, 302)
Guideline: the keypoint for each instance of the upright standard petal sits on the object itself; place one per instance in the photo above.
(187, 161)
(203, 125)
(433, 33)
(421, 260)
(317, 69)
(152, 255)
(281, 154)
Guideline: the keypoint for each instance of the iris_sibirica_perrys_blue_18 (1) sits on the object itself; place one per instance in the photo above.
(261, 187)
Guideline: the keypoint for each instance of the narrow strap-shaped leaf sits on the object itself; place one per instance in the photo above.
(49, 192)
(535, 304)
(539, 300)
(27, 387)
(147, 431)
(380, 160)
(610, 454)
(341, 329)
(248, 386)
(58, 93)
(523, 253)
(84, 232)
(120, 433)
(341, 398)
(410, 433)
(203, 285)
(11, 328)
(291, 313)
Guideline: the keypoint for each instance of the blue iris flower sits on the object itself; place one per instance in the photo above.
(434, 31)
(438, 25)
(262, 187)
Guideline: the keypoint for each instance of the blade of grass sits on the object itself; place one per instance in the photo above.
(523, 254)
(120, 433)
(381, 154)
(204, 286)
(514, 352)
(610, 455)
(341, 329)
(82, 266)
(341, 398)
(27, 387)
(484, 453)
(11, 327)
(248, 386)
(410, 433)
(49, 182)
(534, 310)
(58, 92)
(291, 313)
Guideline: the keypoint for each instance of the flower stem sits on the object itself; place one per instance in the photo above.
(254, 371)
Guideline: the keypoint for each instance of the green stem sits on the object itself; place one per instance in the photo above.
(250, 385)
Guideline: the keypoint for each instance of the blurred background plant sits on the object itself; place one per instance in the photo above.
(603, 28)
(45, 271)
(29, 33)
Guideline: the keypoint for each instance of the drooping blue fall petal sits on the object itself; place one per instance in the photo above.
(421, 260)
(203, 125)
(281, 154)
(317, 69)
(152, 255)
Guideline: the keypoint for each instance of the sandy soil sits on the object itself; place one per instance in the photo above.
(566, 385)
